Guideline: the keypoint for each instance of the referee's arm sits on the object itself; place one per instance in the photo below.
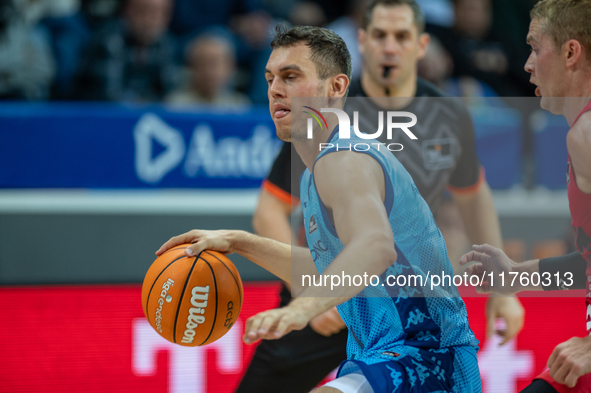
(556, 273)
(271, 217)
(478, 213)
(474, 199)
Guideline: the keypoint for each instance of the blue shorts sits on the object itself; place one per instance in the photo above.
(449, 370)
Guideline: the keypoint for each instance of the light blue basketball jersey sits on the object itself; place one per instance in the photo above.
(391, 319)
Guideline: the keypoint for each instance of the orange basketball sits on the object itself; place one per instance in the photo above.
(192, 301)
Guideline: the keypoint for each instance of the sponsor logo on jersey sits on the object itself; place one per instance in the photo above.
(199, 297)
(317, 249)
(439, 153)
(312, 227)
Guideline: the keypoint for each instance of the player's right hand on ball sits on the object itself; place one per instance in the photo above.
(491, 259)
(273, 324)
(202, 240)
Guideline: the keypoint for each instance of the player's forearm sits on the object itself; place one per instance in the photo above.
(480, 217)
(314, 306)
(364, 257)
(563, 272)
(525, 269)
(271, 255)
(273, 226)
(557, 273)
(271, 218)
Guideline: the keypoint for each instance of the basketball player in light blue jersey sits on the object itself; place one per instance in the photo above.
(365, 212)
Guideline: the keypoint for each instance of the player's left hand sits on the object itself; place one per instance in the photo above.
(273, 324)
(492, 260)
(509, 309)
(571, 360)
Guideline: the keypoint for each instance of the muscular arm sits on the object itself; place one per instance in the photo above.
(482, 225)
(471, 192)
(479, 216)
(274, 256)
(356, 204)
(578, 142)
(492, 259)
(271, 217)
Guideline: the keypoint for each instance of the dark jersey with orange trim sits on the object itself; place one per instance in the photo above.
(443, 155)
(580, 211)
(281, 177)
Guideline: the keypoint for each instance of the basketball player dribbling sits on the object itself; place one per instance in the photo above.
(560, 67)
(392, 40)
(367, 212)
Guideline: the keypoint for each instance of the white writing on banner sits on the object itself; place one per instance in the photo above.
(187, 366)
(229, 157)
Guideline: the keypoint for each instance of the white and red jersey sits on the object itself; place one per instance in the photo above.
(580, 210)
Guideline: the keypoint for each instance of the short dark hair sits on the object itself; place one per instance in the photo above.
(329, 51)
(563, 20)
(419, 18)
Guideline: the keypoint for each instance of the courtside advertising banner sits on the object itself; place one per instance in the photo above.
(96, 339)
(116, 146)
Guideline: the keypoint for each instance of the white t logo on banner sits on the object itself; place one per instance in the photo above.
(187, 365)
(500, 367)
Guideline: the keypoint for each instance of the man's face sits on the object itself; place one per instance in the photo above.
(392, 40)
(148, 19)
(291, 73)
(545, 65)
(473, 17)
(212, 63)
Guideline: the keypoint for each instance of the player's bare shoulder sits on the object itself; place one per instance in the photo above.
(578, 142)
(347, 171)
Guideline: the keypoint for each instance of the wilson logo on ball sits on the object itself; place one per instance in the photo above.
(199, 297)
(192, 300)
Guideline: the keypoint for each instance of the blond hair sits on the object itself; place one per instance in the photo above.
(564, 20)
